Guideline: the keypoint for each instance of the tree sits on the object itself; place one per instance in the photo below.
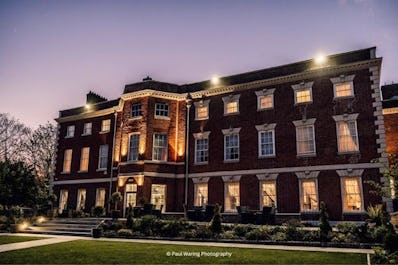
(215, 224)
(324, 226)
(390, 173)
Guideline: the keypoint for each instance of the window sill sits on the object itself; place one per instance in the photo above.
(354, 212)
(65, 173)
(348, 153)
(265, 109)
(66, 137)
(268, 156)
(305, 155)
(201, 119)
(101, 169)
(231, 114)
(310, 212)
(201, 163)
(135, 118)
(303, 103)
(103, 132)
(162, 117)
(231, 161)
(82, 171)
(344, 97)
(85, 134)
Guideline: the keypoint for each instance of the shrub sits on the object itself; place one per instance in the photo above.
(377, 233)
(241, 230)
(1, 209)
(382, 257)
(375, 214)
(390, 242)
(116, 197)
(324, 226)
(203, 232)
(173, 228)
(292, 231)
(111, 225)
(98, 211)
(125, 233)
(129, 217)
(279, 236)
(150, 225)
(215, 224)
(260, 233)
(228, 235)
(346, 228)
(16, 212)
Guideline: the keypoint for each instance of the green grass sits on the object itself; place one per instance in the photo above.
(106, 252)
(16, 239)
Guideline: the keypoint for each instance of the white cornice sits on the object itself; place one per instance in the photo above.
(304, 122)
(266, 126)
(87, 115)
(155, 94)
(346, 117)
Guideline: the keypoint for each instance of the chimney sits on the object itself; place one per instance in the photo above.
(147, 78)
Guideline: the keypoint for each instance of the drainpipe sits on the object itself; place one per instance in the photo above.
(113, 157)
(189, 102)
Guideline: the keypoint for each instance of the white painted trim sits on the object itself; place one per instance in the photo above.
(262, 177)
(231, 178)
(307, 174)
(345, 117)
(200, 104)
(259, 141)
(342, 194)
(301, 180)
(341, 80)
(226, 183)
(225, 145)
(83, 181)
(264, 93)
(162, 116)
(153, 147)
(200, 180)
(201, 136)
(300, 87)
(305, 123)
(228, 99)
(390, 111)
(128, 146)
(231, 131)
(350, 172)
(273, 181)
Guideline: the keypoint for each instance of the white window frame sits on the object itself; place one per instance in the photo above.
(97, 197)
(104, 125)
(308, 176)
(197, 201)
(301, 87)
(346, 118)
(201, 136)
(228, 180)
(164, 110)
(101, 157)
(153, 199)
(228, 133)
(268, 177)
(342, 188)
(262, 94)
(69, 163)
(305, 123)
(82, 158)
(87, 128)
(79, 196)
(129, 147)
(153, 147)
(273, 182)
(136, 111)
(266, 128)
(63, 202)
(340, 80)
(228, 99)
(70, 131)
(201, 104)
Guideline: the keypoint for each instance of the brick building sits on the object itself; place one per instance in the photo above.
(390, 112)
(289, 136)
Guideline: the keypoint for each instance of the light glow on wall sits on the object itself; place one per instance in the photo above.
(139, 179)
(320, 59)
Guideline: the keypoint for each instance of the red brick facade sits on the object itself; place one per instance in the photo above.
(326, 166)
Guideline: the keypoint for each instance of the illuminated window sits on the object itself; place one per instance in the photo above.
(266, 102)
(303, 96)
(161, 110)
(63, 200)
(309, 195)
(87, 130)
(343, 90)
(232, 196)
(231, 150)
(201, 194)
(343, 86)
(268, 193)
(202, 113)
(131, 195)
(158, 196)
(347, 136)
(84, 158)
(134, 143)
(266, 143)
(67, 161)
(103, 156)
(305, 140)
(135, 110)
(352, 196)
(81, 200)
(231, 104)
(106, 126)
(232, 107)
(70, 131)
(100, 197)
(160, 144)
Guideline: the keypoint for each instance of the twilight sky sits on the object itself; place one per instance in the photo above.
(53, 52)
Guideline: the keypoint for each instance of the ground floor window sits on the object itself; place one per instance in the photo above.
(81, 199)
(201, 194)
(100, 197)
(131, 195)
(352, 195)
(232, 196)
(158, 196)
(309, 195)
(268, 193)
(63, 200)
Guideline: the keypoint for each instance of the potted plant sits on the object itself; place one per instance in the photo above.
(52, 199)
(96, 232)
(115, 199)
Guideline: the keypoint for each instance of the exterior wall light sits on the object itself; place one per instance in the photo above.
(320, 59)
(215, 80)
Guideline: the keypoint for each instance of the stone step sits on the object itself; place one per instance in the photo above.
(76, 225)
(56, 232)
(58, 228)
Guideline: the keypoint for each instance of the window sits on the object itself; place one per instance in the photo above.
(67, 161)
(202, 109)
(158, 196)
(160, 144)
(201, 194)
(106, 126)
(302, 92)
(266, 143)
(63, 200)
(231, 150)
(305, 140)
(100, 197)
(103, 157)
(231, 104)
(265, 99)
(201, 150)
(268, 193)
(161, 110)
(136, 110)
(134, 143)
(131, 195)
(352, 195)
(84, 158)
(309, 195)
(232, 197)
(70, 131)
(343, 86)
(87, 130)
(81, 200)
(347, 134)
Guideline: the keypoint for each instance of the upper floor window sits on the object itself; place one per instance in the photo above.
(84, 158)
(134, 143)
(231, 104)
(135, 110)
(67, 161)
(305, 137)
(87, 130)
(266, 140)
(202, 109)
(265, 99)
(70, 131)
(160, 146)
(343, 86)
(347, 134)
(352, 194)
(231, 144)
(106, 126)
(201, 147)
(309, 195)
(161, 110)
(103, 156)
(303, 92)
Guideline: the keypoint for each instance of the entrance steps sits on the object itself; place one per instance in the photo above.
(65, 226)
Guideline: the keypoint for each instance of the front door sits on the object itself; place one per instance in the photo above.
(130, 197)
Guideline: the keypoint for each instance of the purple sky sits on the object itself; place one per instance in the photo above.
(53, 52)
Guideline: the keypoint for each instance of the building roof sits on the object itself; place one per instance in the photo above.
(390, 96)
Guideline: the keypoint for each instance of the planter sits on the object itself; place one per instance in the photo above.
(115, 214)
(96, 232)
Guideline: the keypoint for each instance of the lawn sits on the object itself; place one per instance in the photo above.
(106, 252)
(16, 239)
